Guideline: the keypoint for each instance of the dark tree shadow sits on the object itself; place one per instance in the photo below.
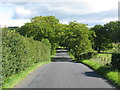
(59, 59)
(92, 74)
(61, 56)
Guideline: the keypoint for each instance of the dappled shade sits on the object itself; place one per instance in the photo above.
(61, 55)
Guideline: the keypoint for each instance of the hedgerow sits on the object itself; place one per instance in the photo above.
(19, 52)
(116, 61)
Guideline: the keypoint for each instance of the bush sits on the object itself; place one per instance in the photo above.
(116, 48)
(104, 71)
(87, 55)
(19, 52)
(116, 61)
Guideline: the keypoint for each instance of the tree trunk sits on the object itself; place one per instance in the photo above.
(76, 57)
(99, 49)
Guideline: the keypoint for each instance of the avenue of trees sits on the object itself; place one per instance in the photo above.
(19, 53)
(106, 35)
(77, 37)
(81, 41)
(36, 41)
(74, 36)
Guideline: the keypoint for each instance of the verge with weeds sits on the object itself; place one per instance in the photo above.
(11, 81)
(104, 71)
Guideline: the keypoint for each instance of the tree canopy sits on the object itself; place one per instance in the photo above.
(76, 37)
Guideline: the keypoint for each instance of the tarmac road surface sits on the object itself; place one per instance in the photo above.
(62, 73)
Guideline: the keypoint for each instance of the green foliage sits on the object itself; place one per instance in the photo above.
(113, 29)
(42, 28)
(87, 55)
(76, 38)
(101, 40)
(35, 41)
(20, 52)
(11, 81)
(46, 34)
(104, 71)
(106, 35)
(104, 59)
(92, 35)
(116, 48)
(116, 61)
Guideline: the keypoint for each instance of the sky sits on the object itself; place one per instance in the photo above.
(91, 12)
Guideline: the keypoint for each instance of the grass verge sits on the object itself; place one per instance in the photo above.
(104, 71)
(11, 81)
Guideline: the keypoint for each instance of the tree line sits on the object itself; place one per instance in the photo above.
(76, 37)
(35, 41)
(19, 53)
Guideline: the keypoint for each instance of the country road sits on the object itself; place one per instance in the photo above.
(62, 73)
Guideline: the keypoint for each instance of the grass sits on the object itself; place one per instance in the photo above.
(53, 55)
(114, 76)
(92, 64)
(103, 55)
(104, 71)
(11, 81)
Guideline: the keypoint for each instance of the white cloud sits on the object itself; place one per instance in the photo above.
(21, 12)
(69, 9)
(109, 19)
(104, 20)
(90, 21)
(83, 6)
(10, 22)
(95, 6)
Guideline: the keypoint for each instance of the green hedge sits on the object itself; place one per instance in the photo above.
(86, 55)
(19, 52)
(104, 71)
(116, 61)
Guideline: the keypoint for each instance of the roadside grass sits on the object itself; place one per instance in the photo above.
(98, 63)
(11, 81)
(105, 71)
(53, 55)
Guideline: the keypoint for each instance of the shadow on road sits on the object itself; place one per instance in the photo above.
(61, 56)
(61, 60)
(95, 75)
(92, 74)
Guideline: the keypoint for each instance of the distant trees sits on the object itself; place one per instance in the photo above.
(77, 37)
(46, 34)
(42, 27)
(100, 39)
(74, 36)
(113, 29)
(105, 35)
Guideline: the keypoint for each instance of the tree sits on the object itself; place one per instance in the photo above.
(102, 37)
(42, 28)
(92, 35)
(74, 36)
(113, 29)
(77, 38)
